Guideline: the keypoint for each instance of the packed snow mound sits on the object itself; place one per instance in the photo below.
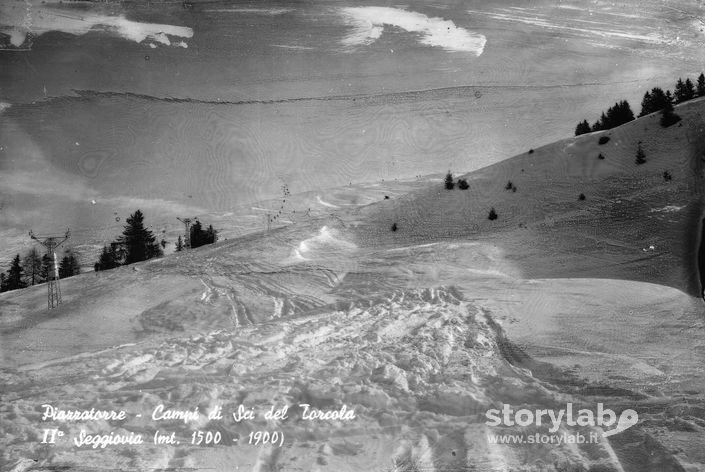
(326, 243)
(418, 368)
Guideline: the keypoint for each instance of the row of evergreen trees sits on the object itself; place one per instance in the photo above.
(616, 115)
(198, 236)
(137, 243)
(654, 100)
(33, 269)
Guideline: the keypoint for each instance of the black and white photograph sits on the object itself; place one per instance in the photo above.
(352, 235)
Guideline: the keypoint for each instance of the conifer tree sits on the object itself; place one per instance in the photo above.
(622, 113)
(14, 275)
(179, 244)
(32, 266)
(137, 242)
(640, 156)
(47, 266)
(689, 90)
(200, 237)
(582, 128)
(196, 236)
(600, 124)
(680, 91)
(646, 104)
(617, 115)
(69, 265)
(668, 116)
(449, 181)
(108, 259)
(654, 101)
(211, 235)
(700, 89)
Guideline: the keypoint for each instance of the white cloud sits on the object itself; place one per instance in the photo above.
(600, 29)
(138, 32)
(161, 38)
(369, 22)
(17, 19)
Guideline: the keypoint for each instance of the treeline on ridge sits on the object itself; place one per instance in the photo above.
(33, 269)
(654, 100)
(137, 243)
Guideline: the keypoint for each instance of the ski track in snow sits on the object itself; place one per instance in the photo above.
(420, 357)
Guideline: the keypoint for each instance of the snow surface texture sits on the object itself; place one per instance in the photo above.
(419, 363)
(419, 368)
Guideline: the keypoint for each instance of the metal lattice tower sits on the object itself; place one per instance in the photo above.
(53, 287)
(187, 236)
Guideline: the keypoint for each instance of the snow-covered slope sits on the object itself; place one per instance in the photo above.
(418, 331)
(633, 223)
(419, 369)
